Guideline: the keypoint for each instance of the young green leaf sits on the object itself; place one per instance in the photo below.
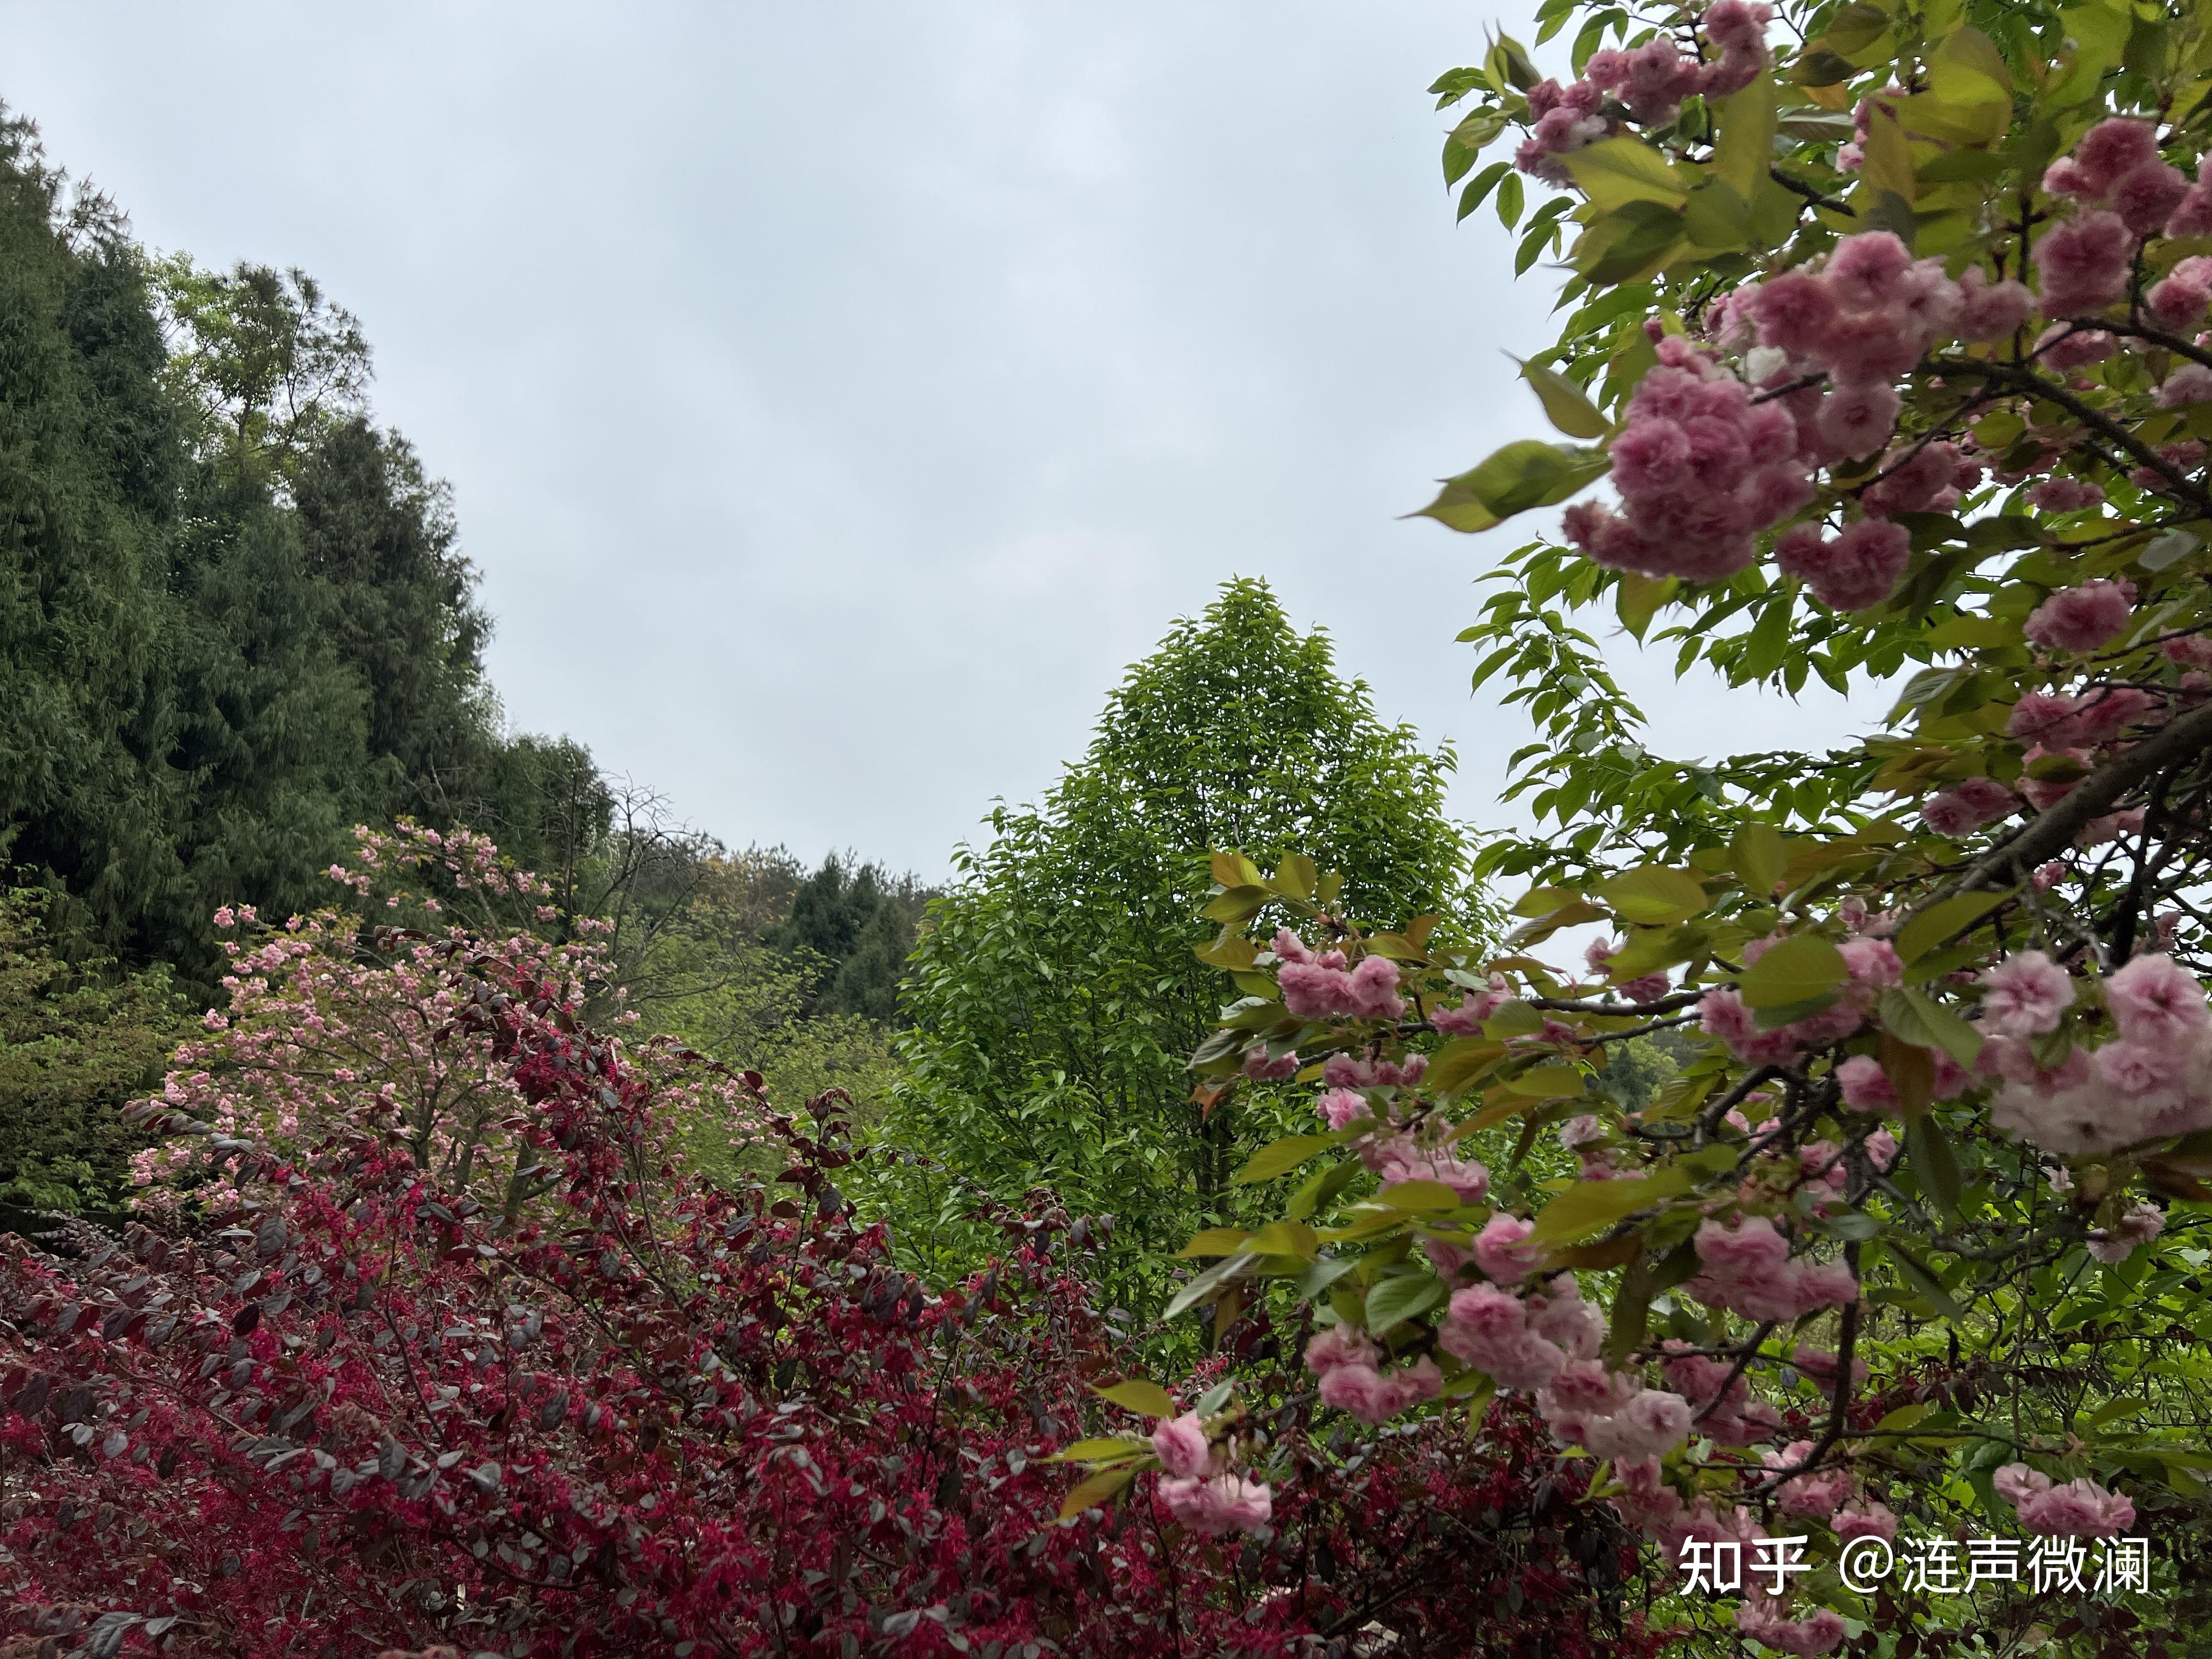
(1797, 969)
(1138, 1395)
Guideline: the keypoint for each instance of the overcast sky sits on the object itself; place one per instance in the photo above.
(837, 396)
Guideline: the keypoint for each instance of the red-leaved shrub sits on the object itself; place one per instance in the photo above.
(337, 1406)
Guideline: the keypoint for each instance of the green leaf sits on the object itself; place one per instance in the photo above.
(1313, 1283)
(1969, 72)
(1138, 1395)
(1280, 1157)
(1478, 187)
(1650, 948)
(1320, 1188)
(1746, 149)
(1912, 1017)
(1632, 241)
(1524, 474)
(1417, 1196)
(1087, 1451)
(1547, 1082)
(1207, 1284)
(1799, 969)
(1902, 1418)
(1098, 1490)
(1655, 895)
(1458, 1063)
(1856, 27)
(1231, 950)
(1510, 200)
(1214, 1241)
(1394, 1301)
(1234, 870)
(1929, 1150)
(1543, 901)
(1716, 218)
(1630, 1315)
(1761, 857)
(1637, 600)
(1614, 172)
(1924, 1280)
(1564, 403)
(1236, 906)
(1936, 925)
(1588, 1206)
(1285, 1238)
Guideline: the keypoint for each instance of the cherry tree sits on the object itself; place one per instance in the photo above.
(1883, 361)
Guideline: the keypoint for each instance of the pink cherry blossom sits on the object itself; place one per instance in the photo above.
(2083, 264)
(2154, 1000)
(1339, 1345)
(1501, 1250)
(1180, 1444)
(2060, 494)
(2025, 995)
(2179, 299)
(1866, 1087)
(2192, 383)
(1226, 1503)
(2112, 149)
(1966, 807)
(2084, 617)
(1864, 1519)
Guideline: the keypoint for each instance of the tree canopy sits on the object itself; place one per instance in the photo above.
(233, 621)
(1054, 993)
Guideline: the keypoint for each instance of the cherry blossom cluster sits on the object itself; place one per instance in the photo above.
(1873, 966)
(1645, 84)
(1199, 1488)
(1353, 1377)
(1317, 984)
(1747, 1269)
(2077, 1509)
(2152, 1078)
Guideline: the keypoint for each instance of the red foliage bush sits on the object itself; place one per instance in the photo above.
(346, 1410)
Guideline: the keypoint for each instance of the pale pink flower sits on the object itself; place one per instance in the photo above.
(2112, 149)
(2180, 299)
(1992, 311)
(1501, 1250)
(1339, 1345)
(2153, 999)
(2083, 263)
(2060, 495)
(1339, 1107)
(2025, 995)
(1226, 1503)
(1864, 1519)
(2145, 196)
(1374, 990)
(1863, 270)
(1180, 1444)
(1816, 1633)
(1866, 1087)
(2140, 1224)
(1967, 806)
(1858, 419)
(2192, 383)
(2084, 617)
